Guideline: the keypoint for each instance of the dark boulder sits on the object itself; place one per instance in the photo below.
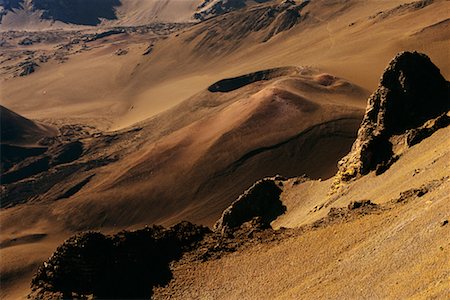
(126, 265)
(27, 68)
(261, 201)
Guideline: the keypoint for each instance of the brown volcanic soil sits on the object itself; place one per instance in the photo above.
(207, 150)
(399, 248)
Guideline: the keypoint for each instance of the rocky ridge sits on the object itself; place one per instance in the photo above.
(411, 102)
(261, 203)
(125, 265)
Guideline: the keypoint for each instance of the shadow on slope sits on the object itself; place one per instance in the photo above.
(79, 12)
(231, 84)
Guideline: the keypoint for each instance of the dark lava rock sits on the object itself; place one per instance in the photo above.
(416, 135)
(360, 204)
(149, 50)
(104, 34)
(28, 168)
(411, 92)
(27, 67)
(266, 20)
(26, 42)
(11, 155)
(35, 164)
(261, 201)
(126, 265)
(66, 152)
(211, 8)
(121, 52)
(288, 17)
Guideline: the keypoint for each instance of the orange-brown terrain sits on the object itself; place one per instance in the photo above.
(266, 123)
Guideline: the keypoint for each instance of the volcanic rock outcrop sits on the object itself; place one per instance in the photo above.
(125, 265)
(411, 92)
(211, 8)
(260, 202)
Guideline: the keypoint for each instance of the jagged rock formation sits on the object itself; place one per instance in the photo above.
(261, 203)
(125, 265)
(411, 92)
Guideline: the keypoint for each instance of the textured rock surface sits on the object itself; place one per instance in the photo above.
(211, 8)
(260, 202)
(411, 92)
(125, 265)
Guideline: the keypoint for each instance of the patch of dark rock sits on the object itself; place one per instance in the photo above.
(231, 84)
(35, 188)
(385, 165)
(26, 42)
(411, 92)
(300, 180)
(360, 204)
(261, 201)
(34, 167)
(444, 222)
(121, 52)
(30, 238)
(270, 19)
(101, 35)
(66, 153)
(421, 191)
(250, 233)
(342, 214)
(415, 136)
(27, 68)
(287, 19)
(377, 151)
(410, 194)
(402, 8)
(126, 265)
(76, 188)
(11, 155)
(218, 8)
(149, 50)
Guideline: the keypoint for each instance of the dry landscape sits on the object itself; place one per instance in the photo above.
(225, 149)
